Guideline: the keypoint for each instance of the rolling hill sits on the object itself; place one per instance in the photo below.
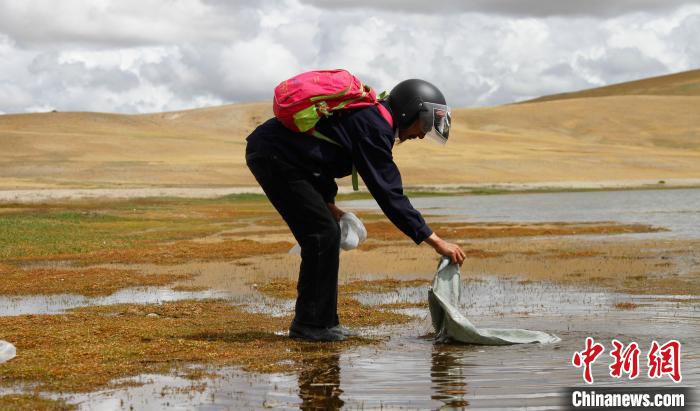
(686, 83)
(642, 130)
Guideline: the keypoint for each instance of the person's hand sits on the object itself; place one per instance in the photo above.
(337, 213)
(442, 247)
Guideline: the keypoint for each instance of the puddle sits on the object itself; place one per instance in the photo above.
(59, 303)
(410, 371)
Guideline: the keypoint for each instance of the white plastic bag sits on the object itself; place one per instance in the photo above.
(7, 351)
(352, 233)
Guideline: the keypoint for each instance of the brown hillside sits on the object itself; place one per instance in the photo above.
(622, 137)
(686, 83)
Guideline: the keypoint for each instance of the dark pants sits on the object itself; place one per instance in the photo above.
(302, 207)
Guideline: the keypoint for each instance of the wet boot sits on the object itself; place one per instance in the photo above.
(344, 331)
(314, 333)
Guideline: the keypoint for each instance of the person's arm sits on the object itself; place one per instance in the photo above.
(372, 155)
(374, 162)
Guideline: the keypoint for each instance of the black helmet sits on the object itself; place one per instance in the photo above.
(418, 99)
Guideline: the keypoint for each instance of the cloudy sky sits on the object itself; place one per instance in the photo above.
(135, 56)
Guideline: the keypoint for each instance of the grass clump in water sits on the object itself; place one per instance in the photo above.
(625, 305)
(17, 402)
(88, 282)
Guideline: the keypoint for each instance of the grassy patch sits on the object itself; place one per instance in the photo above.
(87, 348)
(47, 233)
(403, 305)
(33, 231)
(183, 251)
(25, 402)
(351, 312)
(625, 306)
(89, 282)
(286, 289)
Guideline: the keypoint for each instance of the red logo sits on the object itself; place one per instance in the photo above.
(626, 360)
(661, 359)
(665, 359)
(587, 357)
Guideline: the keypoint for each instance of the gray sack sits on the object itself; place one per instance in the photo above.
(451, 325)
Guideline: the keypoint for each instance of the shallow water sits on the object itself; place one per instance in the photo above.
(676, 210)
(411, 372)
(59, 303)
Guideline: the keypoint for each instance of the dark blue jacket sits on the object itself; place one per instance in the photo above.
(366, 140)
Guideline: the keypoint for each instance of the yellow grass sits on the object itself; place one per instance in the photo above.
(32, 402)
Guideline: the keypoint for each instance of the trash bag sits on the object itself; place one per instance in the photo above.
(451, 325)
(352, 233)
(7, 351)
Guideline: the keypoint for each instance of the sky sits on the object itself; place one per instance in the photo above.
(138, 56)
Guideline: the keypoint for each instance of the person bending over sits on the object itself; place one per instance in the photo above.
(297, 172)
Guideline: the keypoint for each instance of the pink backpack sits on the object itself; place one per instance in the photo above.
(301, 101)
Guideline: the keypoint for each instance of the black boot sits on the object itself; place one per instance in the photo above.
(344, 331)
(314, 333)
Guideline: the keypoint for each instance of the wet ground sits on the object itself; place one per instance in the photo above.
(408, 370)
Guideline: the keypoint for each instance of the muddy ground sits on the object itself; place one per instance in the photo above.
(76, 256)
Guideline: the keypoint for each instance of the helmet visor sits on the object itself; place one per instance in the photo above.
(435, 120)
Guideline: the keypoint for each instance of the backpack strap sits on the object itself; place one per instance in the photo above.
(385, 114)
(355, 180)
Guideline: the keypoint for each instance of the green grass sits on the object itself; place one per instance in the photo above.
(235, 198)
(42, 233)
(49, 233)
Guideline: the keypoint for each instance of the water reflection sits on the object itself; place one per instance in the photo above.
(447, 376)
(319, 384)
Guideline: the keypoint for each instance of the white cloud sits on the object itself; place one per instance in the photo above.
(149, 55)
(538, 8)
(687, 52)
(247, 68)
(623, 64)
(123, 23)
(14, 97)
